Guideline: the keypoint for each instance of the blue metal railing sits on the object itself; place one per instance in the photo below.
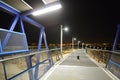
(106, 56)
(43, 64)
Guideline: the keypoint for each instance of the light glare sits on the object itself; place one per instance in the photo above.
(46, 10)
(74, 39)
(66, 28)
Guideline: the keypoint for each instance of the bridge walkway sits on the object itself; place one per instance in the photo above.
(77, 66)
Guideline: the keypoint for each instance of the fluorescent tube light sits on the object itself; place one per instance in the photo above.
(47, 9)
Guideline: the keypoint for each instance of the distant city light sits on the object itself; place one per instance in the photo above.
(48, 9)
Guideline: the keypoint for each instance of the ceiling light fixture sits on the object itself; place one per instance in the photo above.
(47, 9)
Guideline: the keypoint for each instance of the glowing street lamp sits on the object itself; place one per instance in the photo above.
(47, 9)
(61, 36)
(83, 45)
(73, 39)
(78, 44)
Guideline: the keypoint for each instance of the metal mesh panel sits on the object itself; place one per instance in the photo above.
(12, 41)
(114, 65)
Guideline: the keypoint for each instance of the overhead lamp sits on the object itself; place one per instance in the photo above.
(49, 1)
(66, 29)
(47, 9)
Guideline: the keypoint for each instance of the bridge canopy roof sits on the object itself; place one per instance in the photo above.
(22, 6)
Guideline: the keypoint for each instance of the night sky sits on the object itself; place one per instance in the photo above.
(88, 21)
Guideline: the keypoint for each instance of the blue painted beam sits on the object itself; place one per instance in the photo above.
(22, 26)
(116, 38)
(1, 47)
(29, 20)
(14, 22)
(27, 13)
(40, 38)
(8, 8)
(23, 16)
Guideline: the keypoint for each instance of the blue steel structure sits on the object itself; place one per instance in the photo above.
(116, 38)
(42, 36)
(24, 16)
(112, 54)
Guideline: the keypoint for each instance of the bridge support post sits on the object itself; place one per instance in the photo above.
(114, 44)
(29, 65)
(116, 38)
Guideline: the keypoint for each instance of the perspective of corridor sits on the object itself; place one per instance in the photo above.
(59, 40)
(77, 68)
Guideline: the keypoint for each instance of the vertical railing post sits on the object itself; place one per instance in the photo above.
(3, 64)
(4, 68)
(61, 38)
(49, 54)
(29, 65)
(38, 55)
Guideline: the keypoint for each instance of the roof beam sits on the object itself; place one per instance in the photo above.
(29, 20)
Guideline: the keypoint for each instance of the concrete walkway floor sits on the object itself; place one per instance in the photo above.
(72, 68)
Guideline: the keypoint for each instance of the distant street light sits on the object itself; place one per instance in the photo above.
(78, 44)
(83, 45)
(73, 39)
(61, 36)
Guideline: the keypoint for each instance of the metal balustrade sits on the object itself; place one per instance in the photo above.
(111, 59)
(16, 66)
(12, 42)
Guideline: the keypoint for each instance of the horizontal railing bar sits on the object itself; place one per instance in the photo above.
(99, 50)
(38, 52)
(19, 74)
(115, 63)
(113, 52)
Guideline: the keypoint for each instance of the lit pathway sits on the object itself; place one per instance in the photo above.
(73, 69)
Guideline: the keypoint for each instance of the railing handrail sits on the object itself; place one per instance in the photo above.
(33, 53)
(111, 51)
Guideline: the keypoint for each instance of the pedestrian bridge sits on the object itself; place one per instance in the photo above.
(18, 62)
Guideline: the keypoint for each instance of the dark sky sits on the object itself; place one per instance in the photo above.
(88, 21)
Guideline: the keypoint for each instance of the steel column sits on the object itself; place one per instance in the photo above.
(46, 45)
(40, 38)
(115, 44)
(22, 26)
(116, 37)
